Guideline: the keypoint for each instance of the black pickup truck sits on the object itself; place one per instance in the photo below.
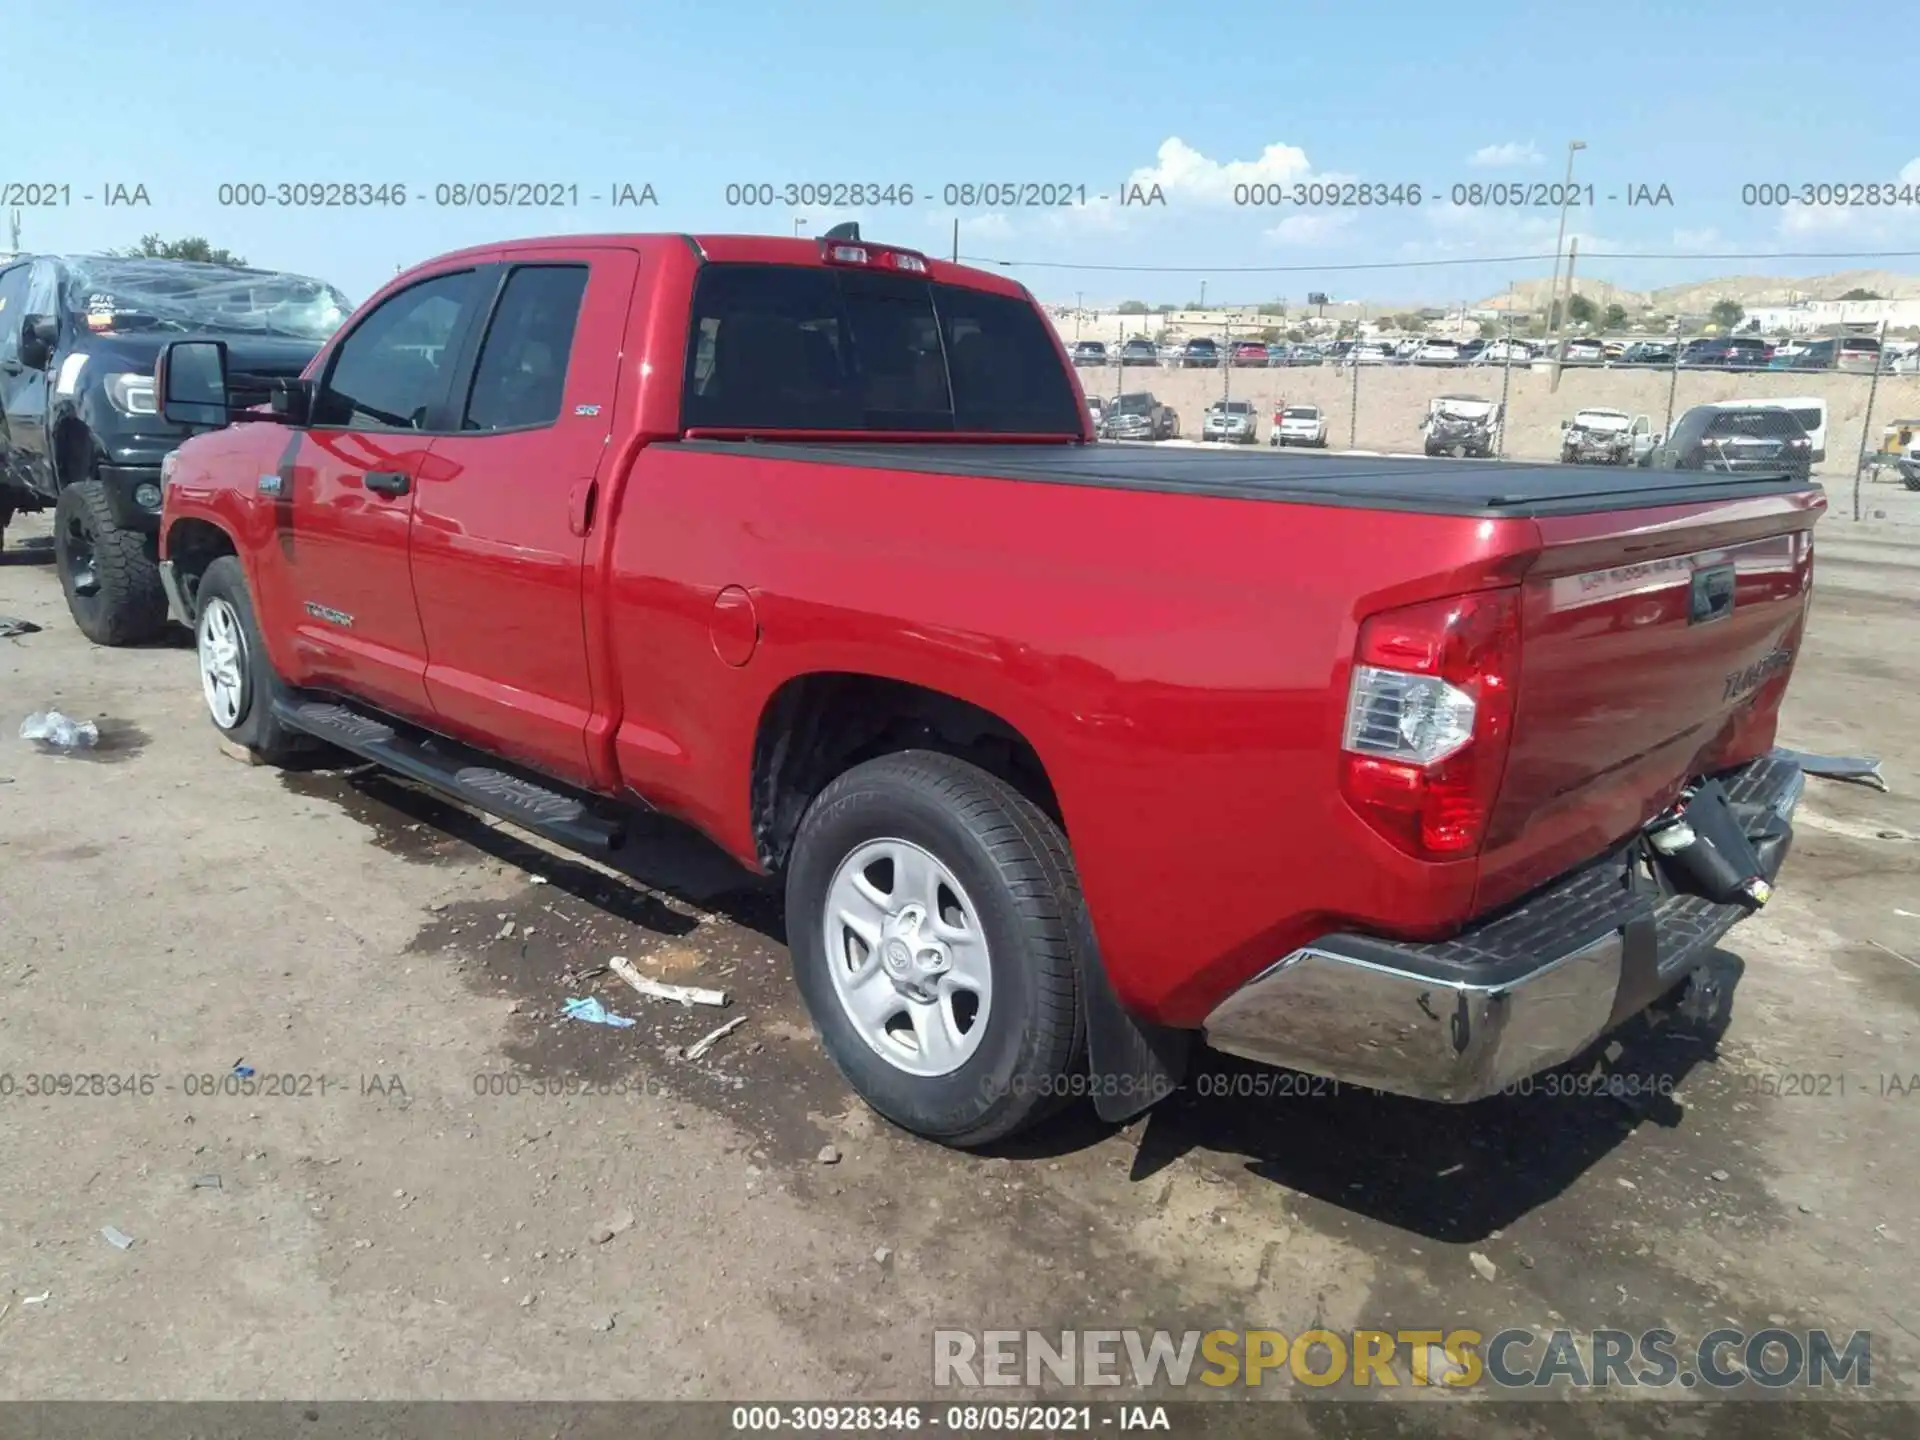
(80, 432)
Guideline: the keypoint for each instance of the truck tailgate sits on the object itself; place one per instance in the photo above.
(1655, 645)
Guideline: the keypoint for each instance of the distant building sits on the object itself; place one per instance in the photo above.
(1809, 316)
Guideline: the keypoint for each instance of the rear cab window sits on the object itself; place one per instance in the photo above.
(789, 347)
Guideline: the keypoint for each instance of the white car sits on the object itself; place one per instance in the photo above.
(1299, 425)
(1463, 425)
(1605, 437)
(1438, 352)
(1368, 355)
(1503, 352)
(1231, 422)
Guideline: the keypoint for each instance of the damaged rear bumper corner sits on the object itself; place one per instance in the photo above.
(1458, 1020)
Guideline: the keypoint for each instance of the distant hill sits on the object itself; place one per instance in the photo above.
(1531, 295)
(1699, 295)
(1784, 289)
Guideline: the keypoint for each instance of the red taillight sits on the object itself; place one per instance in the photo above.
(845, 253)
(1429, 718)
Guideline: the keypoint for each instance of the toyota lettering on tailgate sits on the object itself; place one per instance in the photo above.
(1740, 682)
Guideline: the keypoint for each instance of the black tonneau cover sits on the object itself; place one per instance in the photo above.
(1440, 486)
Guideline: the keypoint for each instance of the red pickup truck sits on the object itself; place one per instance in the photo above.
(1421, 775)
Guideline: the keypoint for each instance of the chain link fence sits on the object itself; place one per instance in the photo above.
(1863, 423)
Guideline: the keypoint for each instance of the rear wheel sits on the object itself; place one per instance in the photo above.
(236, 679)
(936, 925)
(110, 576)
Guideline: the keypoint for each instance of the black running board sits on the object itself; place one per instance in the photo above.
(455, 771)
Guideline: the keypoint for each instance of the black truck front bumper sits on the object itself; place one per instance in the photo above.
(1457, 1020)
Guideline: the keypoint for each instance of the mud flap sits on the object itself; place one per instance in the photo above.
(1135, 1063)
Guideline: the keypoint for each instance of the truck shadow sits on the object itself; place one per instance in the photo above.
(1449, 1173)
(661, 856)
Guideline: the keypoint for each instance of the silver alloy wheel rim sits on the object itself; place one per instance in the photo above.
(223, 662)
(908, 958)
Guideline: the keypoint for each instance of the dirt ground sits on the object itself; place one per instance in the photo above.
(395, 1227)
(1392, 399)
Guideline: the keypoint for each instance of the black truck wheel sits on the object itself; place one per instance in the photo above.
(111, 578)
(236, 678)
(935, 924)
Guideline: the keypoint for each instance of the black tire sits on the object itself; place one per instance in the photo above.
(1014, 864)
(255, 728)
(1912, 482)
(110, 575)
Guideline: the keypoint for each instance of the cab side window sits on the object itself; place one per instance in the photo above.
(13, 310)
(393, 371)
(521, 376)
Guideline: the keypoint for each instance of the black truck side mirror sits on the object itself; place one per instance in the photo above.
(38, 335)
(190, 378)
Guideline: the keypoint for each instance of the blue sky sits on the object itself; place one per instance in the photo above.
(1701, 98)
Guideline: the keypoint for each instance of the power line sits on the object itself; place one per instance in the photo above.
(983, 260)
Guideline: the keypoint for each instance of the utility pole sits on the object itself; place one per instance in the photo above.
(1866, 421)
(798, 222)
(1566, 194)
(956, 239)
(1560, 347)
(1506, 378)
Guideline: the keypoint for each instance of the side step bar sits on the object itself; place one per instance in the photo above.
(455, 771)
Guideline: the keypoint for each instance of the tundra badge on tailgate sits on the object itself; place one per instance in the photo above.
(1739, 682)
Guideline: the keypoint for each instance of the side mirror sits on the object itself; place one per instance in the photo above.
(1566, 424)
(292, 401)
(38, 335)
(190, 378)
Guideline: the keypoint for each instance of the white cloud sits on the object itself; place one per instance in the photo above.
(1184, 178)
(1182, 171)
(1514, 152)
(1099, 215)
(1310, 229)
(1867, 223)
(1461, 231)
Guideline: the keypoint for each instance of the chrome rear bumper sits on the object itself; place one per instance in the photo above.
(1461, 1019)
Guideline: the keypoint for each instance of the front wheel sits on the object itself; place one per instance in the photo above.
(936, 925)
(109, 574)
(236, 679)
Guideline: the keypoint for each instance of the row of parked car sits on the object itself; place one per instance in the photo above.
(1141, 415)
(1733, 435)
(1860, 354)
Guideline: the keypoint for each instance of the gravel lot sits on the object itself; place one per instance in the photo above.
(394, 1229)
